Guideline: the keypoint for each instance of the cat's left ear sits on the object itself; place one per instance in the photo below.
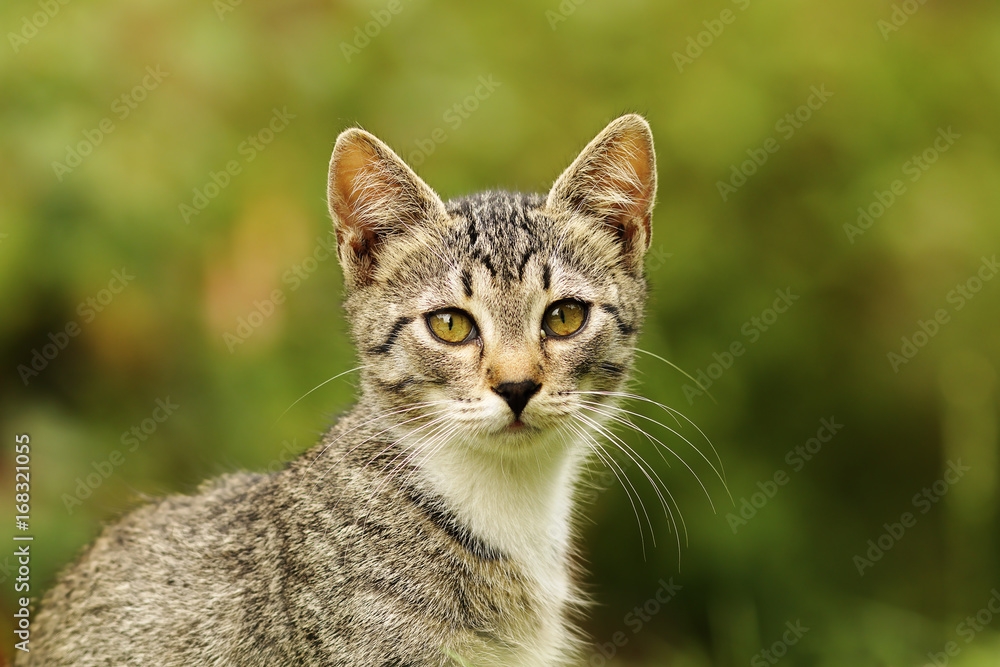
(374, 196)
(613, 181)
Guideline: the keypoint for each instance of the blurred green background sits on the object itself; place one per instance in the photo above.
(774, 123)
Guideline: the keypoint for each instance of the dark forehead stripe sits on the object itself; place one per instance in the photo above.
(524, 262)
(467, 283)
(498, 231)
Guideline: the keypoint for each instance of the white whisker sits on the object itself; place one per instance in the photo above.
(375, 435)
(651, 476)
(381, 415)
(671, 411)
(594, 425)
(586, 405)
(679, 370)
(619, 472)
(356, 368)
(406, 454)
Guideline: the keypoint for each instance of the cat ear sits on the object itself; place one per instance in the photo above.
(373, 195)
(614, 181)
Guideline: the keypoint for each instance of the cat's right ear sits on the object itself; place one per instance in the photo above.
(373, 195)
(613, 182)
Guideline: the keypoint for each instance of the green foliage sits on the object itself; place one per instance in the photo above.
(186, 144)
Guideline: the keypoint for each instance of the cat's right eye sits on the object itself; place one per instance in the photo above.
(452, 326)
(564, 318)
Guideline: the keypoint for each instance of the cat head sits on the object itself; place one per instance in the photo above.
(493, 316)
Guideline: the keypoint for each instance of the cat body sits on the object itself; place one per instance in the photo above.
(432, 524)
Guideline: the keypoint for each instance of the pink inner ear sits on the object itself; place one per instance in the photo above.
(351, 174)
(373, 197)
(355, 192)
(629, 173)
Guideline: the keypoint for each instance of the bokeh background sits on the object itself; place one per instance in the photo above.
(162, 196)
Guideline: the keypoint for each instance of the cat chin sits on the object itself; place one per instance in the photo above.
(526, 440)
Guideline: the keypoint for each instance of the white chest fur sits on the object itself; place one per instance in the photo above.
(520, 504)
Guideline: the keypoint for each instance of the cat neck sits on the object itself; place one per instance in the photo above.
(519, 503)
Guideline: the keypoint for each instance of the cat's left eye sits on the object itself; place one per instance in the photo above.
(452, 326)
(564, 318)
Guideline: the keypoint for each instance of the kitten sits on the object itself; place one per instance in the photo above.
(432, 524)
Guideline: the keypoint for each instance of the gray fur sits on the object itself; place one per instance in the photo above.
(425, 522)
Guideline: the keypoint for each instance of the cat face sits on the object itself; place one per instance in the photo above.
(492, 316)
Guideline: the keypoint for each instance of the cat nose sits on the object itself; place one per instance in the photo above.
(517, 394)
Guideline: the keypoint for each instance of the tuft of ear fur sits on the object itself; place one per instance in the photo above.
(613, 180)
(373, 195)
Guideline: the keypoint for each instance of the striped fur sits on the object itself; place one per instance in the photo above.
(429, 522)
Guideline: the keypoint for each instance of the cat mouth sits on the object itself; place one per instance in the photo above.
(518, 427)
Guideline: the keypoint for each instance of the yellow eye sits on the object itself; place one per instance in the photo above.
(452, 326)
(564, 318)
